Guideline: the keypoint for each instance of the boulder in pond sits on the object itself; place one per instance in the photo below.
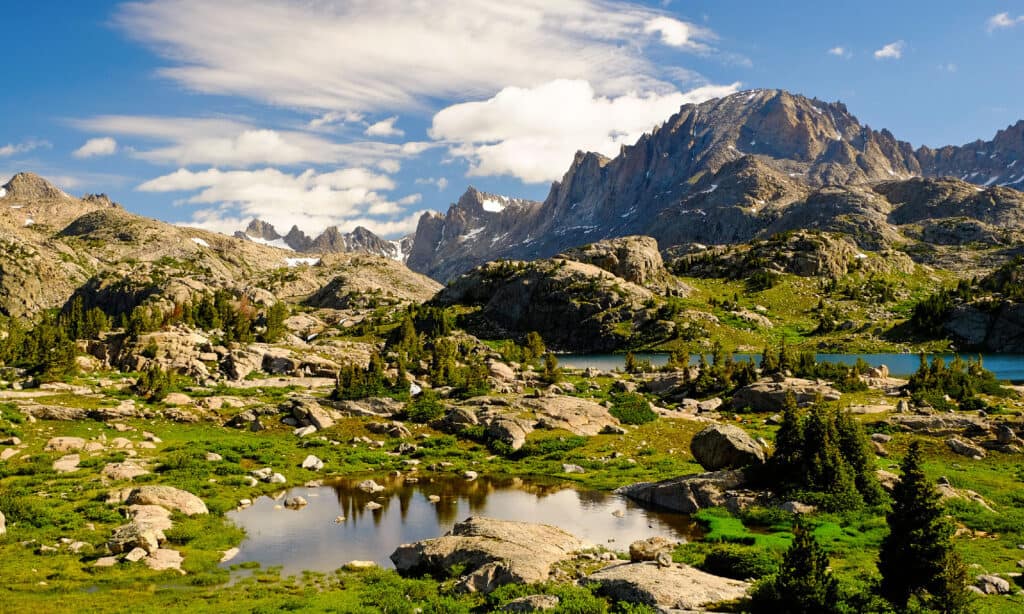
(491, 552)
(689, 493)
(677, 587)
(724, 446)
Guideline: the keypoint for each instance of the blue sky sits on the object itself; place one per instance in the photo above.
(212, 112)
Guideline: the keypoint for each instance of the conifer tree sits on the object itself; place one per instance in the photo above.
(917, 558)
(803, 585)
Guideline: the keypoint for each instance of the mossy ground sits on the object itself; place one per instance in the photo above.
(42, 507)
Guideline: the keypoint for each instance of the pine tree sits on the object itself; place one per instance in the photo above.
(917, 558)
(788, 456)
(275, 317)
(803, 585)
(552, 374)
(857, 451)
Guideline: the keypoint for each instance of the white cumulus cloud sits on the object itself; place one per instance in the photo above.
(533, 133)
(675, 33)
(892, 51)
(385, 127)
(102, 146)
(1003, 20)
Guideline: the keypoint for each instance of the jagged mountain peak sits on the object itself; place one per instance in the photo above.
(27, 186)
(263, 230)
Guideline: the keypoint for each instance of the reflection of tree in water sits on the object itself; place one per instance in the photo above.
(453, 490)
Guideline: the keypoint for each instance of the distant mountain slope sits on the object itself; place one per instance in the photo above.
(723, 171)
(54, 246)
(330, 241)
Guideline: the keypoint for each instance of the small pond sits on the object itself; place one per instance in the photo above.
(310, 539)
(1005, 366)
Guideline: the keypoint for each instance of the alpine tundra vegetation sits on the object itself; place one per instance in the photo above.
(810, 332)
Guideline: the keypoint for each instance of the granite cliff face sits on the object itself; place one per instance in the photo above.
(478, 228)
(730, 170)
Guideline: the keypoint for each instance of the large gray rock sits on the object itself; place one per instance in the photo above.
(490, 552)
(168, 497)
(965, 448)
(126, 538)
(456, 419)
(689, 493)
(308, 413)
(953, 423)
(725, 446)
(649, 549)
(510, 430)
(532, 603)
(66, 464)
(991, 584)
(64, 444)
(770, 395)
(573, 414)
(677, 587)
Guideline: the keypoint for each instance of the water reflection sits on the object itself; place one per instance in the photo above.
(310, 538)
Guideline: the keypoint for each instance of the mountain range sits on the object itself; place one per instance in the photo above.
(740, 167)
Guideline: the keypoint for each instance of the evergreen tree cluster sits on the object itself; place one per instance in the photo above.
(805, 364)
(919, 566)
(959, 379)
(823, 456)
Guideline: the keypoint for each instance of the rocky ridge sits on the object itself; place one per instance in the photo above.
(739, 167)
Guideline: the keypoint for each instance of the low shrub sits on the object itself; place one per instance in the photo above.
(632, 408)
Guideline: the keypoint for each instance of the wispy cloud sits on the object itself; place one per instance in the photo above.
(332, 56)
(892, 51)
(1002, 21)
(440, 182)
(101, 146)
(13, 149)
(841, 52)
(332, 118)
(234, 143)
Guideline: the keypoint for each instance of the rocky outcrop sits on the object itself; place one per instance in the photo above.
(946, 424)
(993, 327)
(770, 394)
(690, 493)
(491, 553)
(675, 588)
(724, 446)
(635, 259)
(574, 306)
